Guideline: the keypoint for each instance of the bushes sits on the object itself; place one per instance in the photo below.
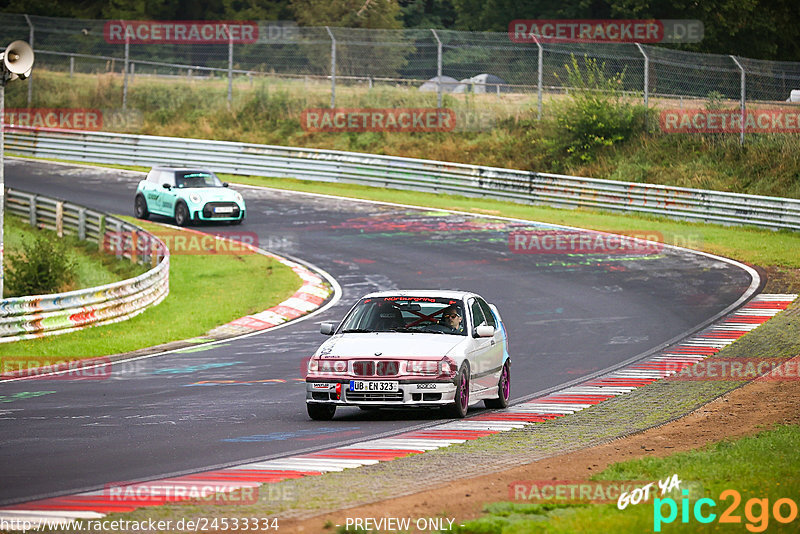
(42, 266)
(595, 115)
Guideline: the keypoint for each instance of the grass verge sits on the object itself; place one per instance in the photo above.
(205, 291)
(738, 465)
(92, 267)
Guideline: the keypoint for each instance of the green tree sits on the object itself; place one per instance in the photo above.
(347, 13)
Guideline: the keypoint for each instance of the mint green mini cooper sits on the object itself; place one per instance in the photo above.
(187, 195)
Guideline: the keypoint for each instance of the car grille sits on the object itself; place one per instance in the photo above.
(208, 210)
(379, 368)
(375, 396)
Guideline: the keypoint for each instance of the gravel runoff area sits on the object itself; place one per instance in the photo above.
(647, 407)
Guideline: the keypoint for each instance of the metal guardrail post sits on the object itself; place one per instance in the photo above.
(742, 104)
(438, 69)
(82, 224)
(333, 68)
(60, 219)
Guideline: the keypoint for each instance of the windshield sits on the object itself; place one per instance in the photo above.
(188, 179)
(430, 315)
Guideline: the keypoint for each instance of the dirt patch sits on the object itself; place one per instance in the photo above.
(781, 279)
(745, 411)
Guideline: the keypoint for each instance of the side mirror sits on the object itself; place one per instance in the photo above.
(327, 328)
(166, 186)
(225, 184)
(484, 330)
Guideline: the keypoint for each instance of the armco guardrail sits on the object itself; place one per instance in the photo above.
(41, 315)
(407, 173)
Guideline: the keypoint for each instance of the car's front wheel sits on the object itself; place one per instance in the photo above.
(461, 402)
(140, 207)
(321, 412)
(503, 389)
(181, 214)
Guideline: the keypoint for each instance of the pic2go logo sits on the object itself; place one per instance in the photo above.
(756, 511)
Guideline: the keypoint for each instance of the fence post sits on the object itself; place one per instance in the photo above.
(71, 65)
(438, 69)
(82, 224)
(125, 75)
(333, 68)
(742, 104)
(30, 42)
(646, 81)
(60, 219)
(32, 212)
(539, 84)
(230, 65)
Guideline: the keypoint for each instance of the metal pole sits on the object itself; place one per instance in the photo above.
(125, 75)
(646, 81)
(230, 66)
(2, 177)
(742, 104)
(438, 70)
(71, 65)
(30, 42)
(333, 68)
(539, 89)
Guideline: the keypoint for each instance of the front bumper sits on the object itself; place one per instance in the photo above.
(411, 393)
(207, 212)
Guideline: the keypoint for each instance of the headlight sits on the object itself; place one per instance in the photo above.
(332, 366)
(195, 198)
(238, 197)
(313, 365)
(422, 367)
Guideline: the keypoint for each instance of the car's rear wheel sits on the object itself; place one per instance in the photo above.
(321, 412)
(140, 207)
(181, 214)
(461, 402)
(503, 389)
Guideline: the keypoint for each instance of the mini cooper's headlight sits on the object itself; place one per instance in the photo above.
(194, 197)
(238, 197)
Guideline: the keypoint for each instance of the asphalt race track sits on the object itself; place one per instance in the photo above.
(568, 316)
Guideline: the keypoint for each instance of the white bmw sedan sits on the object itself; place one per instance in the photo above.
(402, 349)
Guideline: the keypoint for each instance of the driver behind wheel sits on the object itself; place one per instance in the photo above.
(451, 318)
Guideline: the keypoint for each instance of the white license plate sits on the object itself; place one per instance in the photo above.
(374, 385)
(223, 209)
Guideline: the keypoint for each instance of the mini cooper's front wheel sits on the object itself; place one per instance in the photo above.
(181, 214)
(320, 412)
(461, 402)
(140, 208)
(503, 389)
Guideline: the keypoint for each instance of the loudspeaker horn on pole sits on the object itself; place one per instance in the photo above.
(18, 60)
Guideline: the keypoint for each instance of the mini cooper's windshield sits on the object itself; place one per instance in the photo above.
(432, 315)
(190, 179)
